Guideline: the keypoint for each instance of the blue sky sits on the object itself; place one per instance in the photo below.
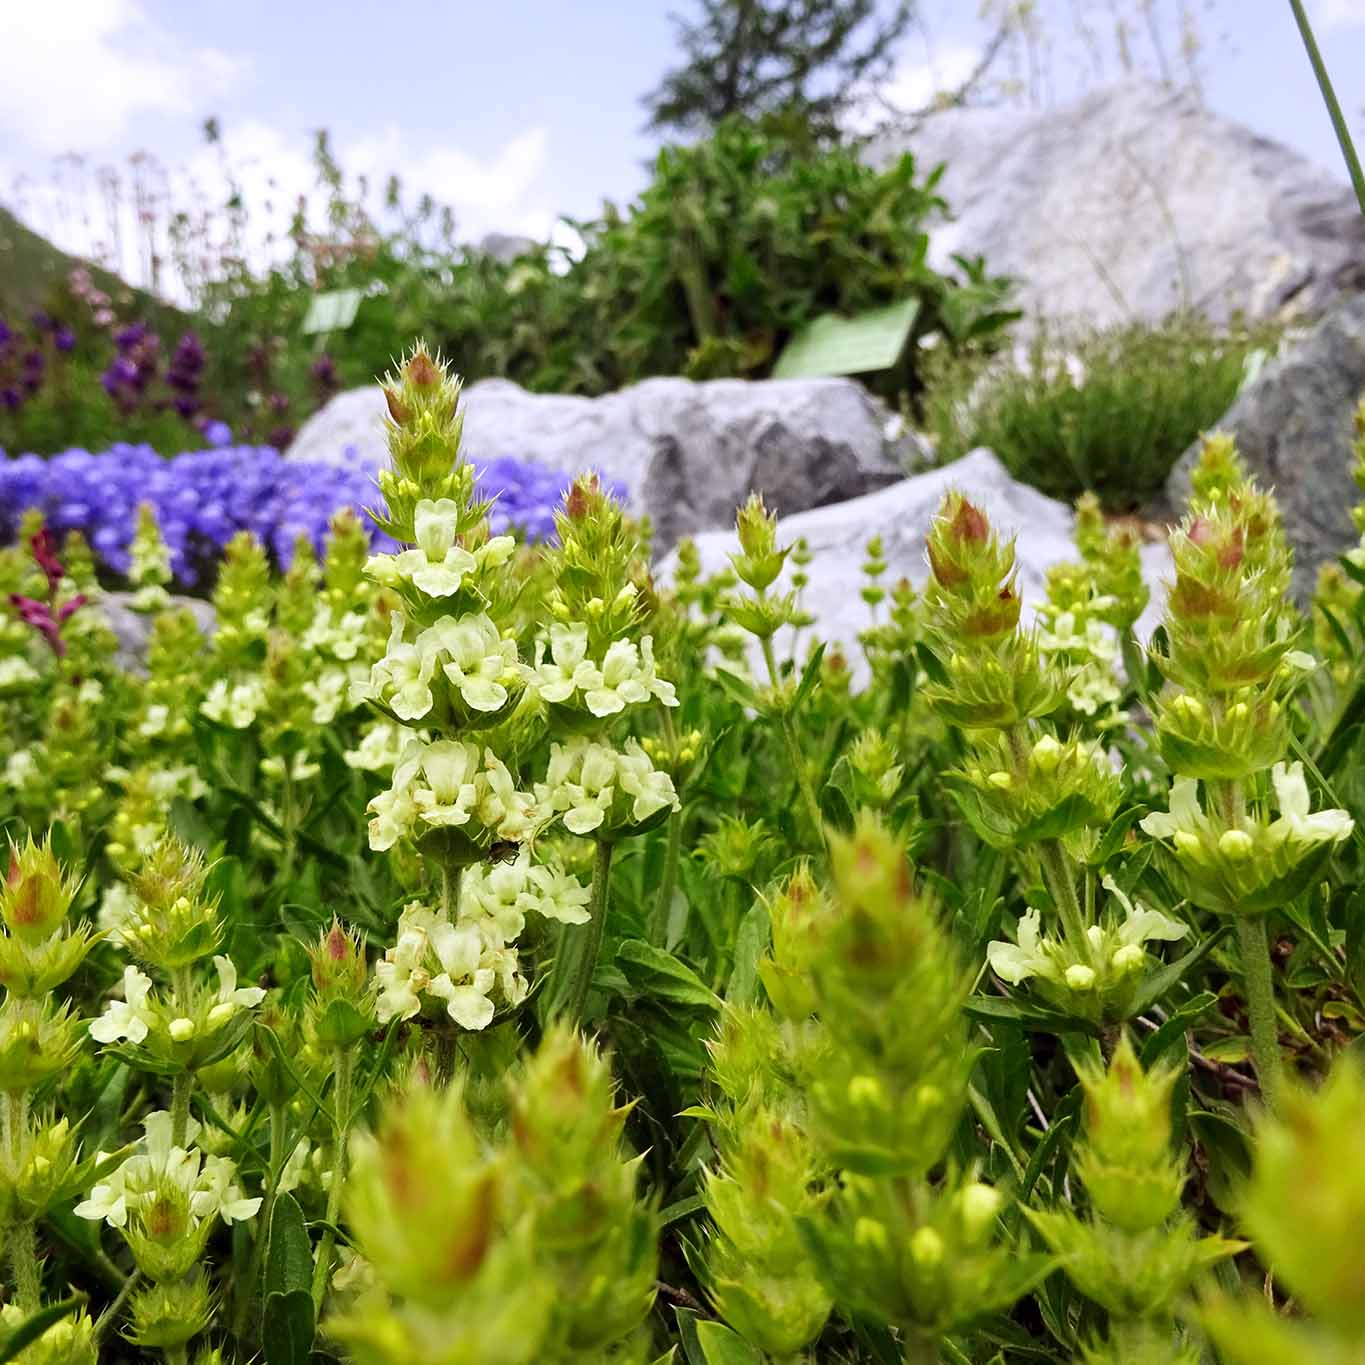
(518, 111)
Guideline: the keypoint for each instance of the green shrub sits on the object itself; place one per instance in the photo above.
(1107, 411)
(736, 242)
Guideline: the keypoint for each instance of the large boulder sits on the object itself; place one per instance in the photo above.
(1294, 425)
(901, 514)
(686, 453)
(1135, 201)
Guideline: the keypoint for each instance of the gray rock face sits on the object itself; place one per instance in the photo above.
(133, 629)
(1293, 425)
(901, 515)
(687, 453)
(1135, 201)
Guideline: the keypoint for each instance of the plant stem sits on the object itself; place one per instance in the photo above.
(248, 1290)
(180, 1107)
(1329, 98)
(450, 890)
(28, 1274)
(343, 1061)
(663, 902)
(177, 1355)
(1063, 888)
(788, 728)
(588, 944)
(1260, 991)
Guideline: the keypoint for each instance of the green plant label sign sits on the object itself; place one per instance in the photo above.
(857, 345)
(333, 311)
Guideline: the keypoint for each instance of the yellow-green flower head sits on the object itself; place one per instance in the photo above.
(1126, 1164)
(759, 1269)
(36, 894)
(1305, 1203)
(759, 560)
(1257, 864)
(801, 915)
(453, 798)
(973, 588)
(922, 1258)
(1111, 563)
(603, 791)
(43, 1172)
(1050, 790)
(625, 674)
(1097, 980)
(165, 1314)
(458, 674)
(192, 1030)
(38, 1040)
(1231, 737)
(423, 1198)
(71, 1341)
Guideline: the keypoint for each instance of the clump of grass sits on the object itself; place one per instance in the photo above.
(1109, 410)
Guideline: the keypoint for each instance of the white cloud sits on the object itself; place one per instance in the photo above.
(1340, 13)
(914, 84)
(272, 171)
(75, 75)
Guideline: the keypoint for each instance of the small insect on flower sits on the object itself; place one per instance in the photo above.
(503, 851)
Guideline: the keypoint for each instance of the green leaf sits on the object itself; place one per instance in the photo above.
(810, 677)
(33, 1327)
(1155, 1046)
(1230, 1050)
(287, 1328)
(683, 1208)
(653, 971)
(751, 939)
(1166, 978)
(737, 688)
(1003, 1009)
(289, 1253)
(721, 1346)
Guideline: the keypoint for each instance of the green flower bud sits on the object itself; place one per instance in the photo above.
(168, 1314)
(1127, 1166)
(36, 895)
(760, 561)
(341, 1010)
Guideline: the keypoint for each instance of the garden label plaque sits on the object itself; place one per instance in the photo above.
(831, 345)
(332, 311)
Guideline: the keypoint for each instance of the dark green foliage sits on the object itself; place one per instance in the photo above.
(808, 59)
(1107, 411)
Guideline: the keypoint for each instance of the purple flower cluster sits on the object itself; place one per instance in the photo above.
(24, 357)
(203, 498)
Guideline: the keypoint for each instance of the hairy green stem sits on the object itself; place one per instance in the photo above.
(663, 901)
(249, 1288)
(28, 1274)
(1063, 888)
(1329, 98)
(177, 1355)
(589, 942)
(180, 1107)
(788, 728)
(343, 1062)
(1260, 992)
